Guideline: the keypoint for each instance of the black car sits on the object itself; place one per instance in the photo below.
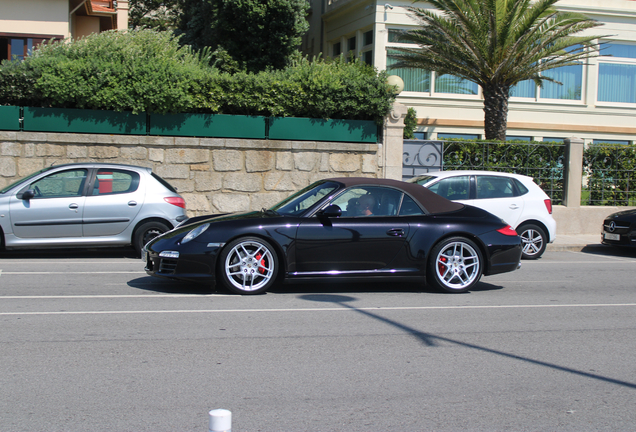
(619, 229)
(341, 229)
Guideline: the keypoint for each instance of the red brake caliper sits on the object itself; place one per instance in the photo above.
(441, 266)
(261, 261)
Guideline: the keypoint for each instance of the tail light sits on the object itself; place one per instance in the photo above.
(178, 201)
(548, 205)
(507, 230)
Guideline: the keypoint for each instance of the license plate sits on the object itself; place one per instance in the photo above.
(609, 236)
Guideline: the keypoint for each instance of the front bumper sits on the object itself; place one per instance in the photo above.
(198, 268)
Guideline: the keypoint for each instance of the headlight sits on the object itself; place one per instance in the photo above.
(195, 233)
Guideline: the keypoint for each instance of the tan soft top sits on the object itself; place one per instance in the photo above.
(430, 201)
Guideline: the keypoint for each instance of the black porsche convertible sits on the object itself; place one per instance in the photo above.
(341, 228)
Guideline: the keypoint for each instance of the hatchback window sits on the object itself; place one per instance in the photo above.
(61, 184)
(494, 187)
(164, 183)
(453, 188)
(113, 181)
(521, 189)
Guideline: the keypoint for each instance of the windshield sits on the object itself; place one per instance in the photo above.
(304, 199)
(12, 185)
(421, 180)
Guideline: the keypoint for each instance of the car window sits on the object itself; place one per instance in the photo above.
(113, 181)
(453, 188)
(409, 207)
(363, 201)
(494, 187)
(305, 198)
(521, 189)
(61, 184)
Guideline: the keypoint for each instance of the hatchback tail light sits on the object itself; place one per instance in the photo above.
(507, 230)
(178, 201)
(548, 205)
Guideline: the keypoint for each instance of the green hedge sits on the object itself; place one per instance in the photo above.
(147, 71)
(610, 175)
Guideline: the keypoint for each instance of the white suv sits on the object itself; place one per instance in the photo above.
(515, 198)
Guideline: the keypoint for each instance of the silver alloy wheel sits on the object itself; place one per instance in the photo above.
(457, 265)
(532, 241)
(249, 265)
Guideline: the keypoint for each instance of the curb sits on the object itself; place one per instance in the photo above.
(575, 247)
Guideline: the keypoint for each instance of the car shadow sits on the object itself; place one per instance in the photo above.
(605, 250)
(118, 252)
(167, 286)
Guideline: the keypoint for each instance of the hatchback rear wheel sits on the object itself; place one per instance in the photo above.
(146, 232)
(533, 241)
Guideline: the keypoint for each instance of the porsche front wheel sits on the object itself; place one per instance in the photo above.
(456, 265)
(248, 266)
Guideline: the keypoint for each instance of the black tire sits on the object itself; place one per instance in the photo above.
(248, 265)
(533, 241)
(455, 265)
(146, 232)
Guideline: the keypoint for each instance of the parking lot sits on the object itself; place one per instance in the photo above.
(89, 342)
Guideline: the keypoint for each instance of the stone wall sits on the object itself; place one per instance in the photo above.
(213, 174)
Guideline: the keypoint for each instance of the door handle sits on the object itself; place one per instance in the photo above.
(73, 206)
(132, 203)
(514, 206)
(396, 232)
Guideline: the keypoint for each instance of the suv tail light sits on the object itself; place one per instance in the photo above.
(548, 205)
(507, 230)
(178, 201)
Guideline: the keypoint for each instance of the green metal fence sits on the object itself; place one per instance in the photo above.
(65, 120)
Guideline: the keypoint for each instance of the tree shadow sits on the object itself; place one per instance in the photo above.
(432, 340)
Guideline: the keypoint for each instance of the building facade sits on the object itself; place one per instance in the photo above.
(597, 101)
(27, 23)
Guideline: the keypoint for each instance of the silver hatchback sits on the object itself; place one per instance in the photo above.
(88, 205)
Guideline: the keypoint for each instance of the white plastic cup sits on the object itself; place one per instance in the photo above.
(220, 420)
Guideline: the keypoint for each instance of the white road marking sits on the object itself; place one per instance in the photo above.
(334, 309)
(113, 296)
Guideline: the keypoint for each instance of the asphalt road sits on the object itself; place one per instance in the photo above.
(88, 342)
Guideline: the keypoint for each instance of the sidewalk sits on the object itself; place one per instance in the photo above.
(575, 242)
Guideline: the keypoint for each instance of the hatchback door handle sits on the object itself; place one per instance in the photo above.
(73, 206)
(396, 232)
(132, 203)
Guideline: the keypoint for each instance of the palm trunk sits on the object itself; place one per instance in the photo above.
(496, 111)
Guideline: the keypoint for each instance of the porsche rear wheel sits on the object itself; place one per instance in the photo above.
(249, 266)
(456, 265)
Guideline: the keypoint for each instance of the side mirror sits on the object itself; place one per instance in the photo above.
(331, 211)
(28, 194)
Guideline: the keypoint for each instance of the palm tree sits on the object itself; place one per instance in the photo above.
(496, 44)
